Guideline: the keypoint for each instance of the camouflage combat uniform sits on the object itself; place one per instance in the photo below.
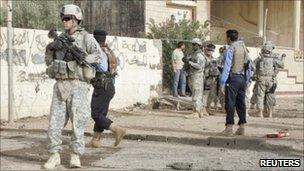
(278, 63)
(266, 71)
(212, 75)
(196, 79)
(71, 92)
(221, 97)
(254, 98)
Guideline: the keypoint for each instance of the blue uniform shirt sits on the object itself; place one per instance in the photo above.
(103, 66)
(228, 55)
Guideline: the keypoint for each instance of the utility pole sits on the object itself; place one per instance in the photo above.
(265, 26)
(11, 108)
(261, 17)
(297, 24)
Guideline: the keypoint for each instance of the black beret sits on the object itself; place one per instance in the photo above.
(100, 33)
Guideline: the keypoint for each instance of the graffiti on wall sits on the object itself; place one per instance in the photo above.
(19, 57)
(33, 85)
(134, 52)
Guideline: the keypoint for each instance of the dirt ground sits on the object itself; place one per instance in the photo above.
(23, 143)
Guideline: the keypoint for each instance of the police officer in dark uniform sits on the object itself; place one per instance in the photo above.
(233, 81)
(104, 91)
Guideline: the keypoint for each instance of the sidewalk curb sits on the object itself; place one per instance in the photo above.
(232, 142)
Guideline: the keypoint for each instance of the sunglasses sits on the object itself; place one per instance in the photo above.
(66, 18)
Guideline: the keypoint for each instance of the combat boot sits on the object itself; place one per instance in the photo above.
(53, 161)
(194, 115)
(227, 131)
(247, 113)
(270, 113)
(205, 112)
(118, 132)
(240, 130)
(260, 113)
(75, 161)
(222, 109)
(252, 106)
(95, 142)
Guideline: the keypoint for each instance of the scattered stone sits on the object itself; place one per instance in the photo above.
(140, 105)
(181, 166)
(21, 126)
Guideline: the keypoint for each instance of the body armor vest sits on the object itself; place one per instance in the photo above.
(61, 69)
(265, 66)
(239, 54)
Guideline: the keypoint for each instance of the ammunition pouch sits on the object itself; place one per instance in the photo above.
(208, 82)
(88, 72)
(72, 70)
(50, 71)
(60, 69)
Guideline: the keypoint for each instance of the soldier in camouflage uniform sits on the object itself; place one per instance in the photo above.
(195, 72)
(253, 100)
(271, 100)
(247, 99)
(211, 75)
(279, 64)
(266, 70)
(71, 90)
(220, 61)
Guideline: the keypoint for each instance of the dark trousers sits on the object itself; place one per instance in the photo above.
(235, 98)
(101, 98)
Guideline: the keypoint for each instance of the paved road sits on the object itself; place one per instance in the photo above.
(24, 151)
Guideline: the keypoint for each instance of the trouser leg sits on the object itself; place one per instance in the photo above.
(176, 76)
(183, 82)
(241, 104)
(230, 98)
(260, 95)
(100, 105)
(79, 112)
(57, 120)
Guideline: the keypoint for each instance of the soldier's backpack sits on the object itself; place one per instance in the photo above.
(265, 67)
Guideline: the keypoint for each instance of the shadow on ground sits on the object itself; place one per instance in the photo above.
(37, 151)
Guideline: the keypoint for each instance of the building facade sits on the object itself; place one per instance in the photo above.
(284, 20)
(131, 17)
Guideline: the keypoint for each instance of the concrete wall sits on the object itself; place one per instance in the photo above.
(140, 72)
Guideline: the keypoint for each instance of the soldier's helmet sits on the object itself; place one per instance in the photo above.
(268, 47)
(210, 47)
(197, 41)
(71, 9)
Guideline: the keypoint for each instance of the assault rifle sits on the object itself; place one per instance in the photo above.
(65, 41)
